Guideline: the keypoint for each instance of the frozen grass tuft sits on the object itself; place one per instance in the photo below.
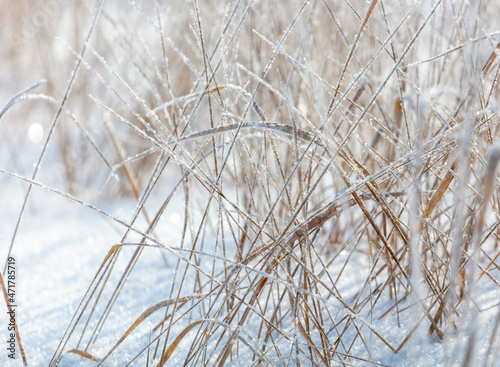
(309, 183)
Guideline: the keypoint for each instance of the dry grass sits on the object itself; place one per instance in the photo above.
(330, 158)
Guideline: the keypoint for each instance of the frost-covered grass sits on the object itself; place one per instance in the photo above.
(247, 183)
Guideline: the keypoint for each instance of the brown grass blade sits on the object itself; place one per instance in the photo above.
(148, 313)
(311, 344)
(171, 349)
(440, 191)
(84, 354)
(491, 59)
